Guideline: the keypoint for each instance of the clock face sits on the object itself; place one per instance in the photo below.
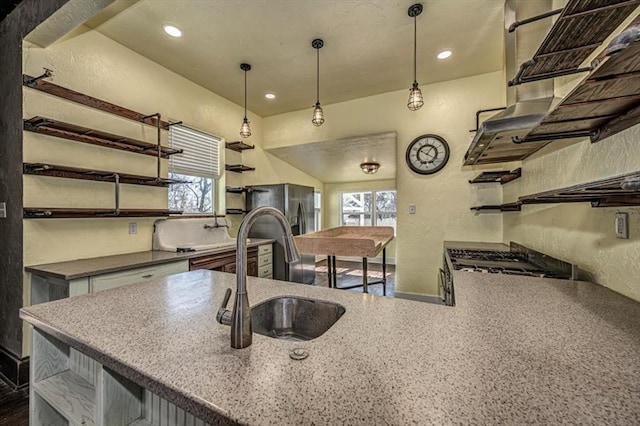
(427, 154)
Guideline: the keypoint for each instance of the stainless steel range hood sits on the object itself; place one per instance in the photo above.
(527, 103)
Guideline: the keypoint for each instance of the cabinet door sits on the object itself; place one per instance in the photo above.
(118, 279)
(229, 267)
(252, 266)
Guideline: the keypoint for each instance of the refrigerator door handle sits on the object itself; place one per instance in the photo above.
(302, 219)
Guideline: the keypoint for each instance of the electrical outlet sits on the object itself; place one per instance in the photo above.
(3, 210)
(412, 209)
(622, 225)
(133, 228)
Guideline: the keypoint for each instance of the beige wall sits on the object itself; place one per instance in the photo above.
(576, 232)
(331, 203)
(442, 200)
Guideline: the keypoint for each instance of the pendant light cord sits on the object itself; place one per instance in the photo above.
(317, 76)
(415, 37)
(245, 94)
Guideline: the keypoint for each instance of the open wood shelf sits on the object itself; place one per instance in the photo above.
(78, 213)
(90, 101)
(69, 393)
(238, 146)
(42, 169)
(76, 133)
(618, 191)
(508, 207)
(603, 104)
(579, 30)
(237, 189)
(503, 176)
(238, 168)
(236, 211)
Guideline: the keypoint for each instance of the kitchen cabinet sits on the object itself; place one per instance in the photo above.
(265, 261)
(46, 289)
(226, 262)
(69, 387)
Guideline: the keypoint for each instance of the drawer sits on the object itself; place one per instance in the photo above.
(264, 260)
(265, 271)
(118, 279)
(265, 249)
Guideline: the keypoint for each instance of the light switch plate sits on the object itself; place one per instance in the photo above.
(412, 209)
(622, 225)
(133, 228)
(3, 210)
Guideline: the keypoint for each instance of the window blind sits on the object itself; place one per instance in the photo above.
(201, 152)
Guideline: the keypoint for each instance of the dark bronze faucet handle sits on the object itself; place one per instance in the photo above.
(224, 315)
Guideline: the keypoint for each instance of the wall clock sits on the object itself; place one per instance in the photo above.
(427, 154)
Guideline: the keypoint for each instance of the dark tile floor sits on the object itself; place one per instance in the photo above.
(350, 273)
(14, 404)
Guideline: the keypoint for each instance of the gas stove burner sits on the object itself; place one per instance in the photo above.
(485, 255)
(499, 262)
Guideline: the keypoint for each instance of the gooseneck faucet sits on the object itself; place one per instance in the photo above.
(240, 317)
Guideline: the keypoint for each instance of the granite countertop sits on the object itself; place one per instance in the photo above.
(81, 268)
(514, 350)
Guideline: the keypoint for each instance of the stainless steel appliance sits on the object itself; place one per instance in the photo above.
(519, 260)
(296, 203)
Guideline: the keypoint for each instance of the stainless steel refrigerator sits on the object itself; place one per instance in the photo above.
(296, 203)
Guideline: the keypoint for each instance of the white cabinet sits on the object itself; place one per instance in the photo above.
(131, 276)
(70, 388)
(265, 261)
(46, 289)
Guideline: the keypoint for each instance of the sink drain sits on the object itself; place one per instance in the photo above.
(298, 354)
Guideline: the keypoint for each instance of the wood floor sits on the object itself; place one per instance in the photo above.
(14, 404)
(350, 273)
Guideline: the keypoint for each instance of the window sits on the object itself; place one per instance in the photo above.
(199, 165)
(359, 209)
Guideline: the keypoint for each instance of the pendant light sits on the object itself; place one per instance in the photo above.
(245, 130)
(415, 94)
(318, 114)
(370, 167)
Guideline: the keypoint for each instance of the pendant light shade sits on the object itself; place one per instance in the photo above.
(245, 129)
(415, 94)
(318, 114)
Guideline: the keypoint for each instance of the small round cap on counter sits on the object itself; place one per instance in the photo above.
(298, 354)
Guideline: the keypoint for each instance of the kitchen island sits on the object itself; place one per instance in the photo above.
(514, 350)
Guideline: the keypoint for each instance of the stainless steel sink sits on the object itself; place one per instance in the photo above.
(294, 318)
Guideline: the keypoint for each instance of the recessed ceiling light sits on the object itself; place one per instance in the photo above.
(444, 54)
(172, 30)
(270, 95)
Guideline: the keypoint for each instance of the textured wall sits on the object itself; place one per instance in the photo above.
(576, 232)
(12, 29)
(442, 200)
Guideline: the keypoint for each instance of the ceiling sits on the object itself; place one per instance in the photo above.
(368, 45)
(337, 160)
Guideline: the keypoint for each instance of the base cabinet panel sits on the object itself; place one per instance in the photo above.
(61, 395)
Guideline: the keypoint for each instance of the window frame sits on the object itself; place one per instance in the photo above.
(215, 178)
(374, 205)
